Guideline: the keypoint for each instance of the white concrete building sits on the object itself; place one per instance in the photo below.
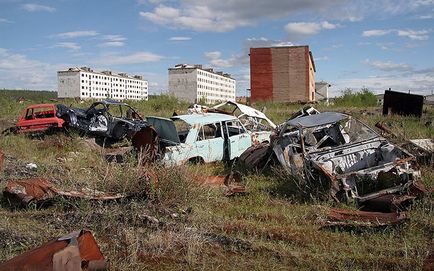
(194, 84)
(85, 83)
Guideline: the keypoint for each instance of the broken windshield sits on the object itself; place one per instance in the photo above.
(346, 131)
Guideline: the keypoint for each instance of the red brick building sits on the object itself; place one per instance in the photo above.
(285, 74)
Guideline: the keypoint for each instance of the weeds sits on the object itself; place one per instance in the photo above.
(273, 227)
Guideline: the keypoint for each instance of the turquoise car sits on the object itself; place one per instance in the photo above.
(203, 138)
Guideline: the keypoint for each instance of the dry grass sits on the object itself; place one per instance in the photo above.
(270, 228)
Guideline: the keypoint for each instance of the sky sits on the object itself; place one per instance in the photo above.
(378, 44)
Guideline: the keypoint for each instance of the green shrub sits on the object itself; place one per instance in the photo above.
(362, 98)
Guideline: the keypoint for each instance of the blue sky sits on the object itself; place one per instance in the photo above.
(375, 44)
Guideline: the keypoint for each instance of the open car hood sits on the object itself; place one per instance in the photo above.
(165, 128)
(247, 110)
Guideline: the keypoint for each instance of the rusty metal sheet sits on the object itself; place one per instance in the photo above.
(22, 192)
(354, 218)
(423, 149)
(390, 203)
(384, 128)
(42, 258)
(232, 183)
(39, 190)
(146, 141)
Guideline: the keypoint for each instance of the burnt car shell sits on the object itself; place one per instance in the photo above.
(350, 157)
(108, 118)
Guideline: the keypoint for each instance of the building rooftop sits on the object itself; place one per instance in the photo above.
(200, 67)
(109, 73)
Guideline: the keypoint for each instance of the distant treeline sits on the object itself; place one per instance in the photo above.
(34, 95)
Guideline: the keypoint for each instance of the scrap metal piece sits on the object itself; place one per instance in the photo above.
(384, 128)
(423, 149)
(232, 183)
(23, 192)
(57, 254)
(353, 218)
(390, 203)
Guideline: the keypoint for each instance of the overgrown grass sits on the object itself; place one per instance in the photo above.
(270, 228)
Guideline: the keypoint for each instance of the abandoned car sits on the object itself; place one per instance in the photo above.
(107, 119)
(39, 118)
(205, 137)
(344, 156)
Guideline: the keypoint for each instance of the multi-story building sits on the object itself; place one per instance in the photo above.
(194, 84)
(285, 74)
(85, 83)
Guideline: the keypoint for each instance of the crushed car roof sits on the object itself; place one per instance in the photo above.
(317, 119)
(204, 118)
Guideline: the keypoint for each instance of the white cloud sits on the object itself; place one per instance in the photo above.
(376, 32)
(215, 60)
(179, 38)
(31, 7)
(242, 59)
(226, 15)
(113, 41)
(134, 58)
(264, 42)
(414, 35)
(408, 33)
(302, 30)
(418, 83)
(425, 17)
(68, 45)
(18, 71)
(3, 20)
(388, 66)
(77, 34)
(321, 58)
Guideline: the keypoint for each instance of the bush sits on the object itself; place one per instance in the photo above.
(362, 98)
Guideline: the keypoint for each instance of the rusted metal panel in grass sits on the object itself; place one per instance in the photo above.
(353, 218)
(232, 183)
(23, 192)
(76, 251)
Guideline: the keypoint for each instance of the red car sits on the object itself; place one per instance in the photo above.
(39, 118)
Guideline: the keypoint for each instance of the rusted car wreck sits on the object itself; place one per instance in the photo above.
(338, 154)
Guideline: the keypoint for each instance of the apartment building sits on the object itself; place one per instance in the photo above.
(194, 84)
(285, 74)
(84, 83)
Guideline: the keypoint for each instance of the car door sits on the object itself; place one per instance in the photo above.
(38, 119)
(210, 143)
(239, 138)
